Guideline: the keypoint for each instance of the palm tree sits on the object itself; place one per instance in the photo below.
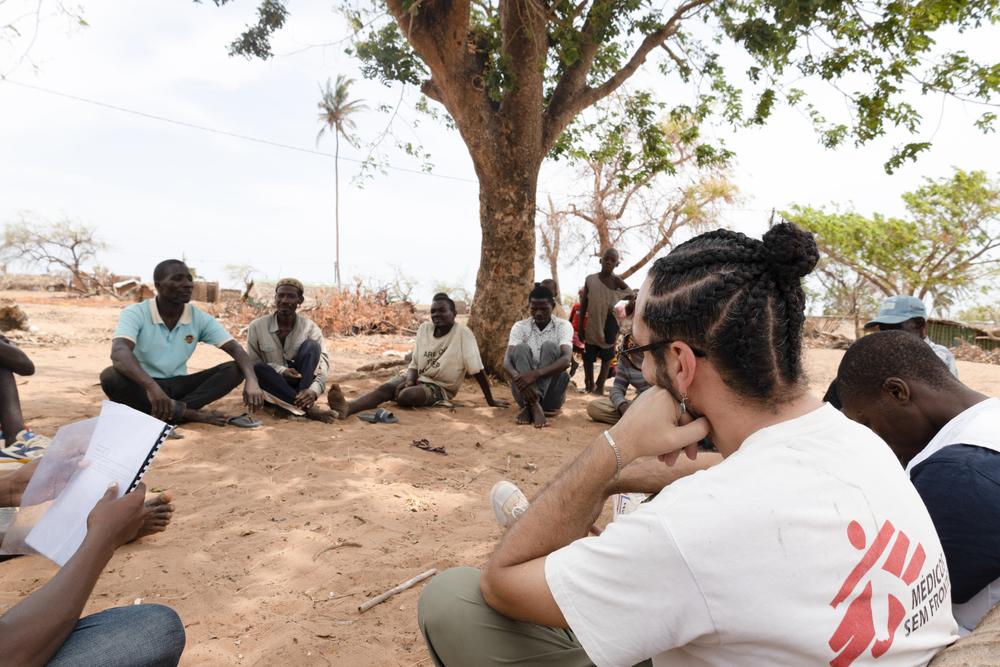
(335, 112)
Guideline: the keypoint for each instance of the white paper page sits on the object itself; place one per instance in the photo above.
(121, 442)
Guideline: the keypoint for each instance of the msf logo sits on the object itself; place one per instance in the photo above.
(857, 631)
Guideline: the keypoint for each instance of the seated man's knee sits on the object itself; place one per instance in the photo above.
(411, 397)
(437, 608)
(549, 350)
(111, 380)
(309, 346)
(164, 627)
(261, 367)
(231, 371)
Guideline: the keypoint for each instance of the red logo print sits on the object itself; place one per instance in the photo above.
(856, 632)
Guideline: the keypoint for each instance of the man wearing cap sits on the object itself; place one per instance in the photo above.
(151, 347)
(908, 313)
(288, 355)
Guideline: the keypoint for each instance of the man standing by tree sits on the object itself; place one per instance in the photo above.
(599, 326)
(538, 353)
(152, 344)
(287, 350)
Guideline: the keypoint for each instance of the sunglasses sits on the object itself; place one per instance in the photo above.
(639, 350)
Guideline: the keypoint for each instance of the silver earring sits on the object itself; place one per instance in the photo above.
(684, 407)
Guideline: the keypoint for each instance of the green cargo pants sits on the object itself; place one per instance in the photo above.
(461, 630)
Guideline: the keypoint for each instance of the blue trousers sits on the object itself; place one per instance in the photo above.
(145, 635)
(305, 362)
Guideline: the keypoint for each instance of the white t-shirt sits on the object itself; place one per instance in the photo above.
(557, 331)
(807, 546)
(445, 361)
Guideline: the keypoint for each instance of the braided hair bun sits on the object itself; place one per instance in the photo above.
(790, 252)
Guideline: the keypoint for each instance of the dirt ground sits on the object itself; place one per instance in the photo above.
(281, 532)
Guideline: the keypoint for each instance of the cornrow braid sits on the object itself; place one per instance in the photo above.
(739, 299)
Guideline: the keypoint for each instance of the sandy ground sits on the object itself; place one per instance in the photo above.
(249, 561)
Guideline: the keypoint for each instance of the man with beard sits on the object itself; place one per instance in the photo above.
(289, 360)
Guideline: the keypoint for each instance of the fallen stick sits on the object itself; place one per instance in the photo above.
(398, 589)
(339, 545)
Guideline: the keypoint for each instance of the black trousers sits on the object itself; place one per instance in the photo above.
(193, 391)
(305, 362)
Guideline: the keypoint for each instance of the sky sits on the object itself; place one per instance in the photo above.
(156, 189)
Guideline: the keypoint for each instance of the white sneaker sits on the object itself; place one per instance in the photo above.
(508, 501)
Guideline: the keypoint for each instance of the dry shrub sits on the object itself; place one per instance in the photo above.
(349, 312)
(967, 352)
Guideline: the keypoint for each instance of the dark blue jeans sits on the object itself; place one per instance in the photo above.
(145, 635)
(305, 362)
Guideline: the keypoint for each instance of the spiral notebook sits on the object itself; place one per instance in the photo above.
(121, 449)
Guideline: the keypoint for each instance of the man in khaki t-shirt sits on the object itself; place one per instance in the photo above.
(444, 353)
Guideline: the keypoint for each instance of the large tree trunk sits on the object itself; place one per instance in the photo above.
(507, 257)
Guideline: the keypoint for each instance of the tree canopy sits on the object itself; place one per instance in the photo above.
(515, 76)
(948, 243)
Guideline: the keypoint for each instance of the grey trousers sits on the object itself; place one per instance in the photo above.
(461, 630)
(551, 389)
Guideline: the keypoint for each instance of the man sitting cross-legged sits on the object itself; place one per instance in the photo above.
(152, 344)
(628, 373)
(445, 352)
(948, 438)
(20, 444)
(288, 355)
(539, 351)
(46, 629)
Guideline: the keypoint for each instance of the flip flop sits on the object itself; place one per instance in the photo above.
(380, 416)
(245, 421)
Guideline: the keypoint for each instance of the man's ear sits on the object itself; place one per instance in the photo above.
(687, 364)
(897, 390)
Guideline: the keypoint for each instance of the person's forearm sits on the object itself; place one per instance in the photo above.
(617, 393)
(652, 476)
(124, 362)
(484, 385)
(34, 629)
(562, 512)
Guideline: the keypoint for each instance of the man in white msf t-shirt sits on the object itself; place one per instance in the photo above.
(806, 546)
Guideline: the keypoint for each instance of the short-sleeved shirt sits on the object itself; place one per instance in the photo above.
(161, 352)
(526, 332)
(445, 361)
(807, 546)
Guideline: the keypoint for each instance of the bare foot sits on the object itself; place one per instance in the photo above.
(525, 416)
(159, 511)
(205, 417)
(538, 416)
(335, 399)
(319, 414)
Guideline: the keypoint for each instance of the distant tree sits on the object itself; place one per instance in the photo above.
(456, 291)
(846, 293)
(335, 111)
(515, 75)
(20, 24)
(948, 244)
(985, 313)
(647, 183)
(242, 273)
(552, 227)
(64, 245)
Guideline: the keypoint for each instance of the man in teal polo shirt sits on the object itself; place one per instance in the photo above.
(152, 344)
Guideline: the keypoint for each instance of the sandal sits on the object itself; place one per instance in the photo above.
(380, 416)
